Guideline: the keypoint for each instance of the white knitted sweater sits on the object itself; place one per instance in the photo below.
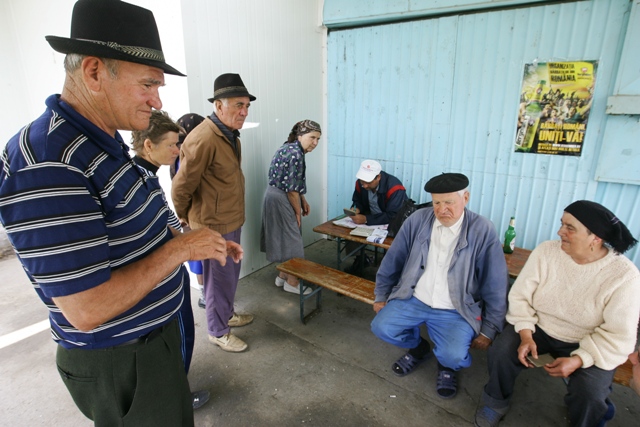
(596, 305)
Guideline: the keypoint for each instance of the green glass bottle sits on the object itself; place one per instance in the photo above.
(510, 237)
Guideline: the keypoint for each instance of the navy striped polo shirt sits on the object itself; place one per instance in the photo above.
(76, 207)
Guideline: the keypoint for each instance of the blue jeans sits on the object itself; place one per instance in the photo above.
(398, 323)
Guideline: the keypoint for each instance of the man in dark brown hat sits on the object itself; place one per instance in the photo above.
(92, 232)
(208, 192)
(446, 270)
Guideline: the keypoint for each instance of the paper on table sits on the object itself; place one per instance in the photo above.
(377, 236)
(345, 222)
(348, 222)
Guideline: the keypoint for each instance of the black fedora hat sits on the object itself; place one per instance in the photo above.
(116, 30)
(229, 86)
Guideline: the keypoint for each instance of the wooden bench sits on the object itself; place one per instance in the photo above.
(623, 374)
(326, 277)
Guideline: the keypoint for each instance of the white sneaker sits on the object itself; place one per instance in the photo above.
(229, 342)
(295, 290)
(280, 281)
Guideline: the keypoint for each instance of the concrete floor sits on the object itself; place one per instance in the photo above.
(330, 372)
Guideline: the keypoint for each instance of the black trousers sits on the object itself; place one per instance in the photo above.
(587, 392)
(140, 384)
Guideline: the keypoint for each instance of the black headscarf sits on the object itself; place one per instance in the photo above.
(603, 223)
(188, 122)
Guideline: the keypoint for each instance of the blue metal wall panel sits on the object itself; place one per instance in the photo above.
(341, 13)
(442, 94)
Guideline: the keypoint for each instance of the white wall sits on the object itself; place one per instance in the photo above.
(31, 70)
(277, 48)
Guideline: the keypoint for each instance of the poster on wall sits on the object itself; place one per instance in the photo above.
(555, 102)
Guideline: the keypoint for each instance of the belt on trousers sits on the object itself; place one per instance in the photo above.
(145, 338)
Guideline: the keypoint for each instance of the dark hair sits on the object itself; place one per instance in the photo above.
(159, 124)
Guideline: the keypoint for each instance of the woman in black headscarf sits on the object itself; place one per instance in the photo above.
(578, 299)
(284, 203)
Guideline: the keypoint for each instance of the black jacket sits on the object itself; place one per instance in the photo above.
(391, 195)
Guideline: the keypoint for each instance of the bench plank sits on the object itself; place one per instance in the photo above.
(335, 280)
(623, 374)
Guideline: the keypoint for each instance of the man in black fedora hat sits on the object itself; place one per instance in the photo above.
(446, 270)
(92, 232)
(208, 192)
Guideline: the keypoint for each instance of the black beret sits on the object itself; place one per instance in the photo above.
(446, 183)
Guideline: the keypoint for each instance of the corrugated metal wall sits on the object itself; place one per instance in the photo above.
(276, 47)
(442, 94)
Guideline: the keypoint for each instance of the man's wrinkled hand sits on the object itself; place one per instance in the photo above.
(359, 219)
(235, 251)
(481, 342)
(377, 306)
(204, 244)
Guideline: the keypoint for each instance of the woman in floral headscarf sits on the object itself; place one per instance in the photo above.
(284, 203)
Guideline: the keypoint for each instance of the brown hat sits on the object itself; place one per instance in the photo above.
(229, 86)
(116, 30)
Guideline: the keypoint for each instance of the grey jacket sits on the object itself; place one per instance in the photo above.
(478, 276)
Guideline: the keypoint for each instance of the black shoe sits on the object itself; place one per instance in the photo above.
(199, 398)
(356, 267)
(367, 261)
(201, 303)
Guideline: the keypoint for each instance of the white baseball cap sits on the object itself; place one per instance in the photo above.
(369, 169)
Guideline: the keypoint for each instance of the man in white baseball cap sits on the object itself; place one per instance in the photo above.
(377, 197)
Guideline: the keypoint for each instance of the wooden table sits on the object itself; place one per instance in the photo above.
(515, 261)
(341, 234)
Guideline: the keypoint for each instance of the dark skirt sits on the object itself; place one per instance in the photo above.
(280, 236)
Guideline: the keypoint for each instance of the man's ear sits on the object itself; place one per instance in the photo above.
(93, 70)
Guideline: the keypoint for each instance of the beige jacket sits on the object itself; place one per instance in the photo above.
(208, 190)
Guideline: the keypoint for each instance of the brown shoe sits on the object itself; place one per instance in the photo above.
(238, 320)
(229, 342)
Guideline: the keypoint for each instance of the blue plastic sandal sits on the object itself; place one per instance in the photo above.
(406, 364)
(447, 384)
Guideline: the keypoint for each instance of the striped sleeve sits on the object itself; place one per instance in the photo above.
(56, 227)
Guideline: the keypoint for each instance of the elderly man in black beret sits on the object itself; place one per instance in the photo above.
(445, 269)
(208, 192)
(92, 232)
